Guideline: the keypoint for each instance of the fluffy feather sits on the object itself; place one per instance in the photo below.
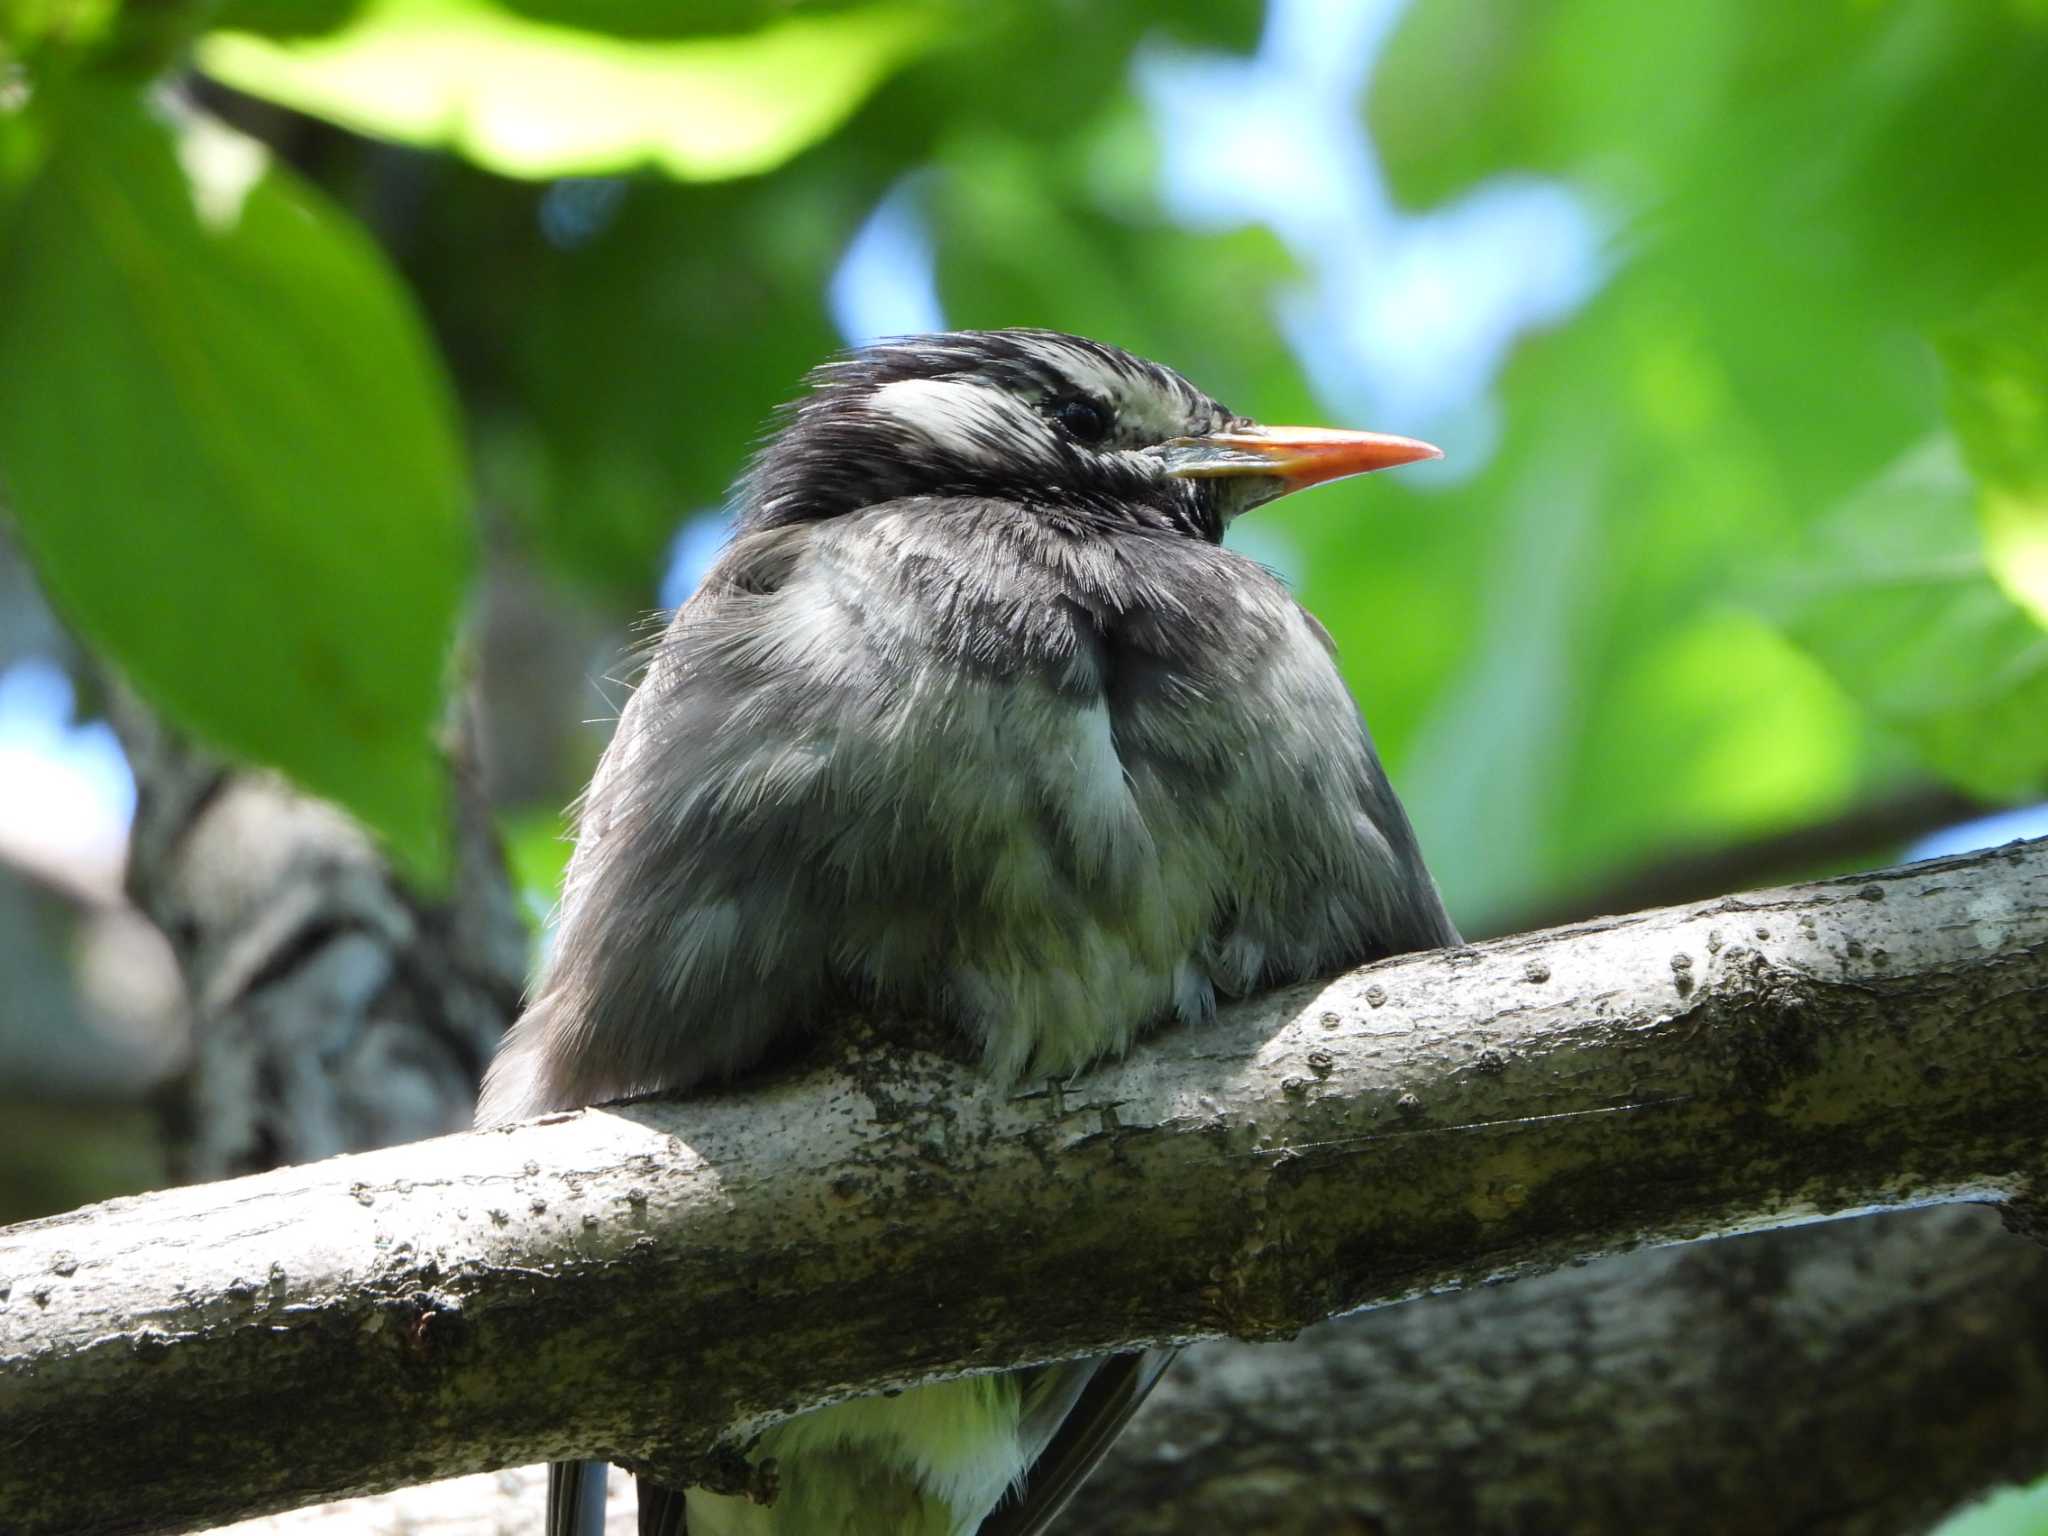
(979, 721)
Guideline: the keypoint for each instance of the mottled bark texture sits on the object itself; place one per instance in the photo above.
(1863, 1378)
(1860, 1378)
(334, 1009)
(647, 1280)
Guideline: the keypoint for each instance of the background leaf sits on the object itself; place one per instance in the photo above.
(230, 452)
(1802, 203)
(1806, 250)
(1893, 593)
(529, 97)
(1996, 363)
(646, 364)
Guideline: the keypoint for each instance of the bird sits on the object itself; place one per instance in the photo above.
(975, 718)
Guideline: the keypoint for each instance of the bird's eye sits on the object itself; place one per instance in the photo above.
(1082, 419)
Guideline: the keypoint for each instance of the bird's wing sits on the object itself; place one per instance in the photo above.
(576, 1498)
(683, 883)
(1109, 1392)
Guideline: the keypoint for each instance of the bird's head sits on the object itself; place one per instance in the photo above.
(1084, 431)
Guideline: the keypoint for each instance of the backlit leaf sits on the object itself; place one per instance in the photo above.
(528, 97)
(230, 452)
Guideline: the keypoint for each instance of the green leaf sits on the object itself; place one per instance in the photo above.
(2016, 547)
(537, 846)
(2008, 1512)
(283, 18)
(535, 99)
(30, 27)
(1997, 368)
(229, 448)
(638, 399)
(1826, 183)
(659, 18)
(1230, 24)
(1893, 595)
(1802, 198)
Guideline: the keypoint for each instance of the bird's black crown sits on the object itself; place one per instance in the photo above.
(1052, 423)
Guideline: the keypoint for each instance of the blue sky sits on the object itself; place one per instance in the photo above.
(66, 795)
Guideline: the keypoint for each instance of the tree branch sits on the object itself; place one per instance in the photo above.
(641, 1279)
(1862, 1378)
(1857, 1378)
(335, 1008)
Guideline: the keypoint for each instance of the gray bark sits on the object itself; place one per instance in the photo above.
(1860, 1378)
(1864, 1378)
(646, 1280)
(333, 1008)
(27, 627)
(546, 684)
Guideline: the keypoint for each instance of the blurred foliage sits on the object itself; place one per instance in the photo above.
(232, 457)
(537, 847)
(1761, 532)
(1807, 200)
(2009, 1512)
(59, 1155)
(1894, 595)
(532, 98)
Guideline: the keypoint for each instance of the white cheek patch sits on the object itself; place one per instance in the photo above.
(967, 419)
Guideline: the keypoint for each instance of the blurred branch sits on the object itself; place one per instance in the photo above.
(1430, 1122)
(91, 1019)
(544, 702)
(92, 1006)
(334, 1008)
(27, 627)
(1862, 1379)
(1866, 831)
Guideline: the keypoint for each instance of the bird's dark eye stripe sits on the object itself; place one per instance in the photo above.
(1081, 418)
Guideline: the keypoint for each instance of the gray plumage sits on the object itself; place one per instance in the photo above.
(974, 719)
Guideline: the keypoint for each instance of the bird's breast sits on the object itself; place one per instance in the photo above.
(1109, 754)
(1053, 791)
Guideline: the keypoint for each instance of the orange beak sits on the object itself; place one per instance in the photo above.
(1296, 456)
